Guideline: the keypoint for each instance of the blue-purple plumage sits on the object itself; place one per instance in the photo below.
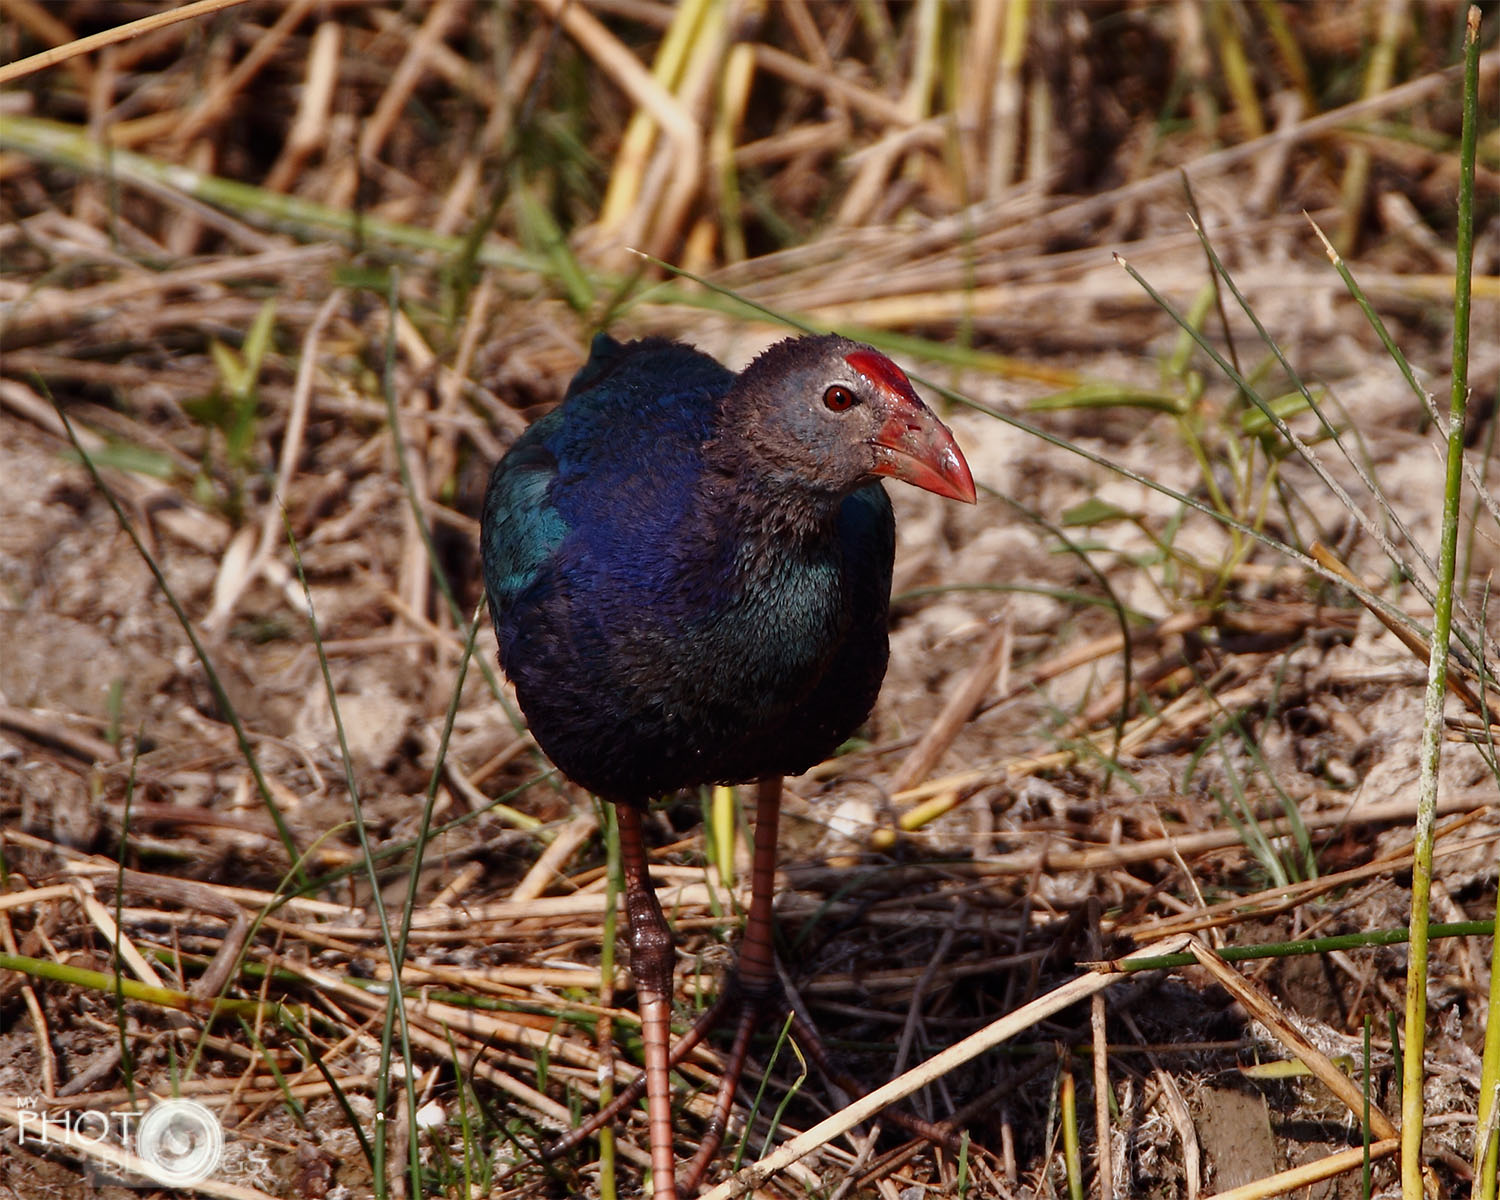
(656, 636)
(689, 570)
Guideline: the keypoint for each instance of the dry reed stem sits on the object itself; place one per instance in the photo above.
(1178, 1112)
(1354, 188)
(1288, 1181)
(624, 198)
(104, 922)
(36, 895)
(1263, 1009)
(549, 864)
(963, 703)
(414, 63)
(1005, 107)
(933, 1069)
(1104, 1097)
(837, 90)
(35, 18)
(109, 37)
(53, 729)
(310, 126)
(35, 1013)
(620, 65)
(1272, 901)
(214, 105)
(1407, 637)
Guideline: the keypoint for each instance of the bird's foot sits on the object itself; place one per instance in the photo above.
(752, 1007)
(636, 1088)
(755, 1003)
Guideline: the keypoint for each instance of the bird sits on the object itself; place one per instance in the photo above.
(688, 570)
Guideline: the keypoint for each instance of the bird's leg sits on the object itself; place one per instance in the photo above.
(757, 980)
(636, 1088)
(758, 983)
(651, 959)
(757, 955)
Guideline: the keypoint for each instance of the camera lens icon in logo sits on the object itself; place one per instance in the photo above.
(179, 1142)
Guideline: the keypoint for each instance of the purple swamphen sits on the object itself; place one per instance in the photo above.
(689, 573)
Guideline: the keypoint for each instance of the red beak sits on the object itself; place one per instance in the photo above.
(911, 443)
(915, 446)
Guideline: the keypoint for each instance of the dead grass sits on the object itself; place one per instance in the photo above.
(1097, 690)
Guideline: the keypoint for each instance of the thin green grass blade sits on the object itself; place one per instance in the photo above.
(1072, 1157)
(1469, 641)
(395, 1008)
(1487, 1116)
(127, 1059)
(76, 148)
(340, 1097)
(289, 1101)
(1364, 1174)
(783, 1038)
(221, 697)
(466, 1128)
(1363, 940)
(1412, 1095)
(111, 983)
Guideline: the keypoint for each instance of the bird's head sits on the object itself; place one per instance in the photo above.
(835, 415)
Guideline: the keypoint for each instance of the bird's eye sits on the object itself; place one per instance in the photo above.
(838, 398)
